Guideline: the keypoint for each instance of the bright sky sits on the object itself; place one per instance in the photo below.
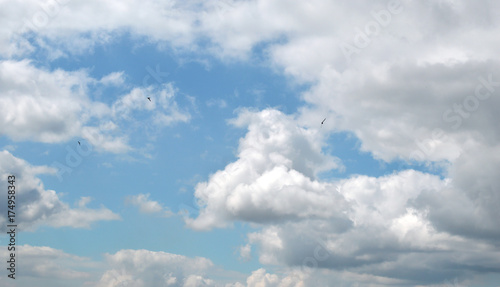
(257, 143)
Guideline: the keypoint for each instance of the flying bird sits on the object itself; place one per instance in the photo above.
(323, 122)
(149, 99)
(79, 143)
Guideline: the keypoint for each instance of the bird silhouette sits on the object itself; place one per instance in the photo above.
(149, 99)
(323, 122)
(79, 143)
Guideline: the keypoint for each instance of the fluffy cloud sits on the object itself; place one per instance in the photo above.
(53, 21)
(391, 228)
(260, 278)
(43, 265)
(41, 105)
(38, 206)
(393, 236)
(400, 68)
(54, 267)
(151, 268)
(148, 268)
(273, 178)
(161, 103)
(55, 106)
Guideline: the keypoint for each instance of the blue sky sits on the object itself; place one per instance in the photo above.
(226, 176)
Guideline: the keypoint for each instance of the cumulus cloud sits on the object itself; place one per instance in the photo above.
(42, 105)
(55, 106)
(394, 237)
(50, 106)
(54, 267)
(273, 178)
(421, 89)
(400, 69)
(377, 226)
(44, 265)
(38, 206)
(148, 268)
(54, 21)
(261, 278)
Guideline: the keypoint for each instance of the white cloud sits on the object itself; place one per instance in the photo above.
(54, 106)
(273, 178)
(49, 266)
(246, 252)
(363, 225)
(84, 200)
(161, 105)
(148, 268)
(42, 265)
(292, 278)
(363, 95)
(113, 79)
(38, 206)
(50, 106)
(400, 229)
(41, 105)
(146, 205)
(261, 278)
(70, 20)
